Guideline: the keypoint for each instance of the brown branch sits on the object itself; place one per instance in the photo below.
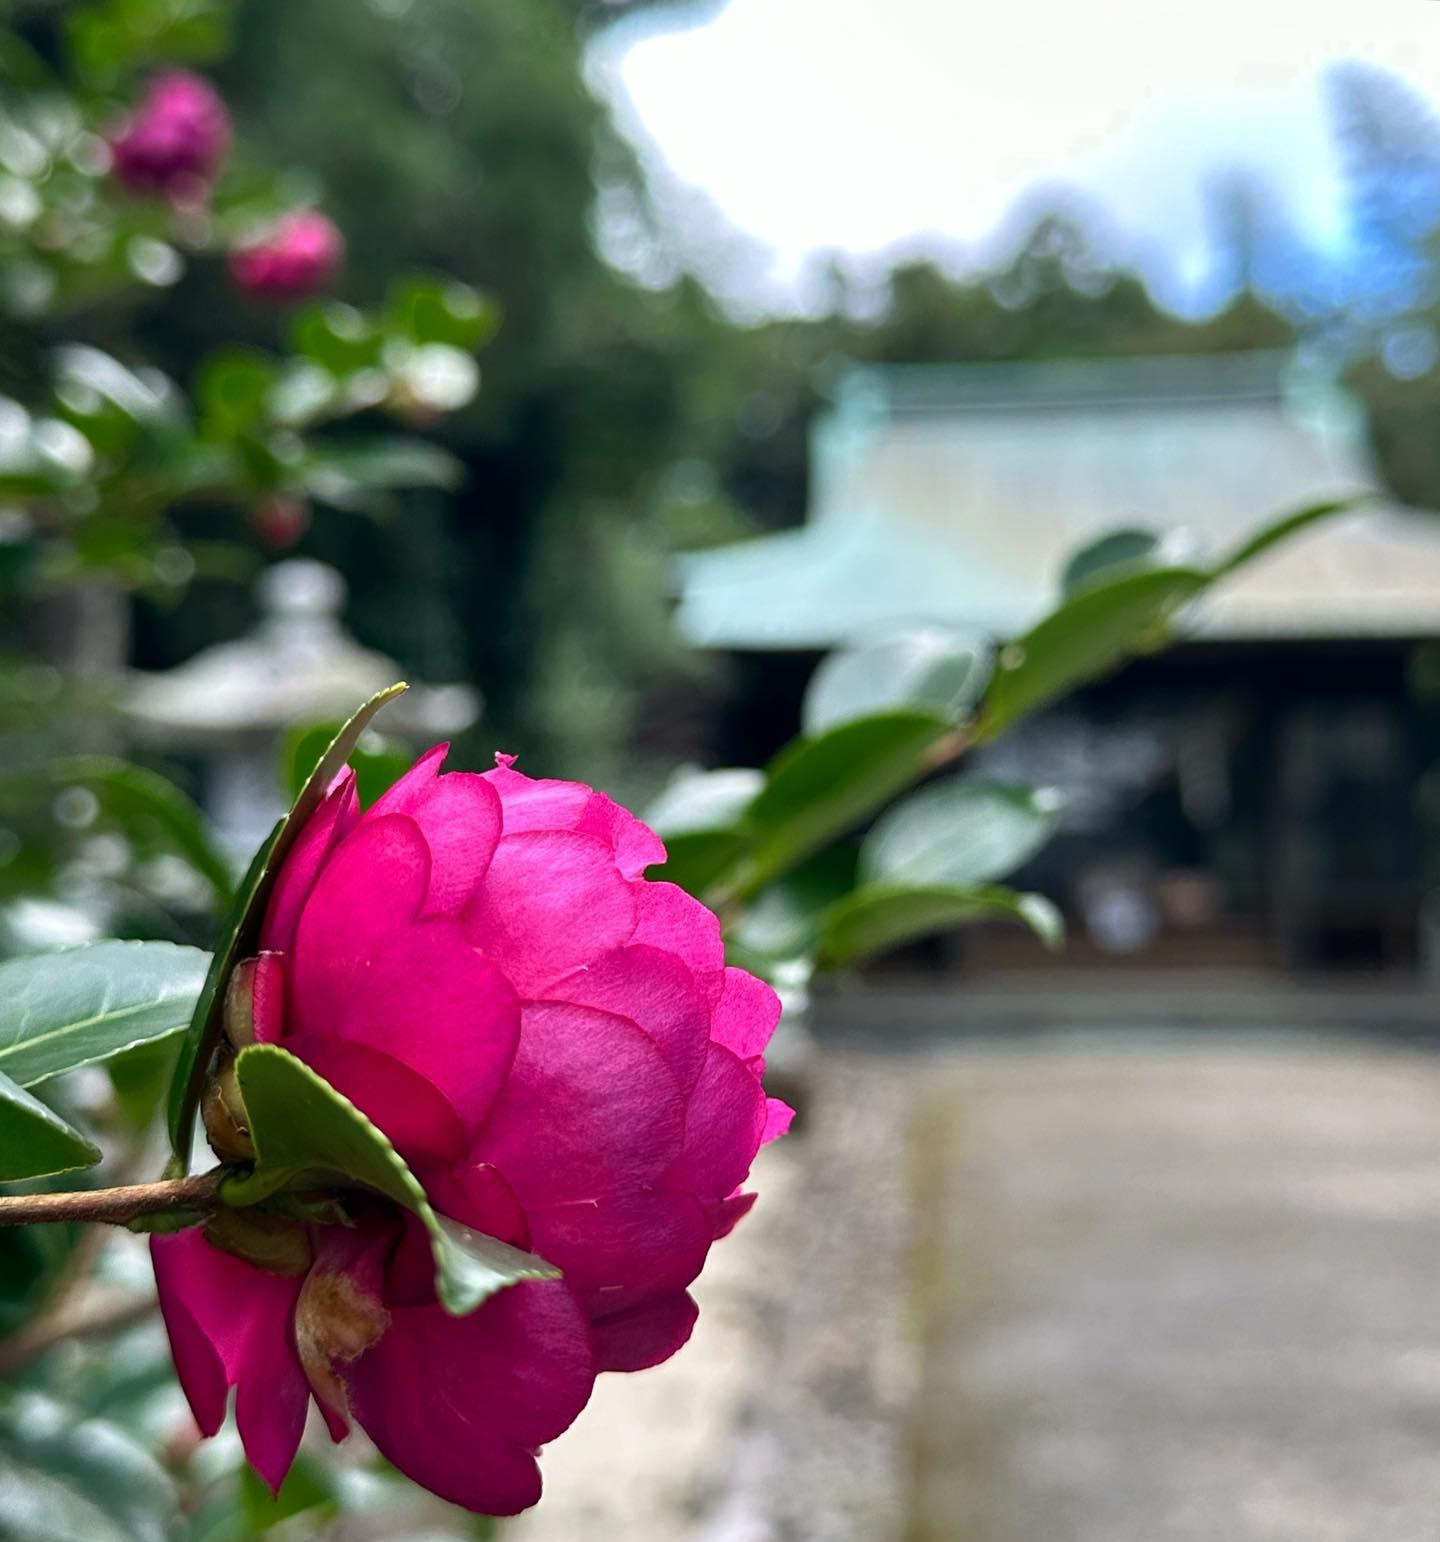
(117, 1206)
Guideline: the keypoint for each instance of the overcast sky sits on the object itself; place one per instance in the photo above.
(864, 125)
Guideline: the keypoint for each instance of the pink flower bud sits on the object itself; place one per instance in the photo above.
(280, 521)
(553, 1043)
(176, 139)
(298, 258)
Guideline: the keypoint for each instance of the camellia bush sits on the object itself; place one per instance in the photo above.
(479, 1087)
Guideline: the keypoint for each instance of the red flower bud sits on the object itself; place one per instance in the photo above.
(176, 139)
(298, 258)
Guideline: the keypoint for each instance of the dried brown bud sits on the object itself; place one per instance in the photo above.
(268, 1241)
(227, 1125)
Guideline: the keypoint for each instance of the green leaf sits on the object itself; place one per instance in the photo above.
(238, 938)
(306, 1132)
(377, 761)
(338, 337)
(1100, 559)
(234, 389)
(704, 800)
(1282, 530)
(818, 788)
(964, 830)
(77, 1005)
(699, 860)
(882, 915)
(929, 667)
(34, 1139)
(67, 1478)
(310, 1488)
(1084, 637)
(440, 310)
(696, 815)
(141, 801)
(785, 918)
(350, 475)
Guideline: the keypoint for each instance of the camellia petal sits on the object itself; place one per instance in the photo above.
(723, 1126)
(244, 1315)
(590, 1109)
(644, 1336)
(420, 1120)
(745, 1015)
(325, 828)
(417, 991)
(552, 901)
(459, 816)
(656, 992)
(462, 1403)
(667, 917)
(616, 1252)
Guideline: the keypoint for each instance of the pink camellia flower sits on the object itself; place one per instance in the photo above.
(176, 139)
(555, 1045)
(298, 258)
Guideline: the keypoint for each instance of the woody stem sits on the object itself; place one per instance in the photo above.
(118, 1206)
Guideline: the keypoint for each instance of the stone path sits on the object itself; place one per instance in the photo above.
(1179, 1293)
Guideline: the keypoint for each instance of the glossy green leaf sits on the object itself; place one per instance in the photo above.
(337, 337)
(879, 916)
(141, 802)
(352, 475)
(929, 667)
(377, 761)
(1282, 529)
(704, 800)
(440, 310)
(306, 1133)
(820, 787)
(1119, 551)
(310, 1489)
(963, 830)
(697, 862)
(783, 921)
(34, 1139)
(1087, 635)
(238, 938)
(68, 1478)
(78, 1005)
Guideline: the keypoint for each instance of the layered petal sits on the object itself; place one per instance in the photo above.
(635, 1340)
(552, 901)
(745, 1016)
(616, 1253)
(590, 1109)
(461, 1404)
(421, 1122)
(459, 816)
(668, 918)
(318, 837)
(366, 971)
(657, 993)
(724, 1122)
(539, 804)
(232, 1325)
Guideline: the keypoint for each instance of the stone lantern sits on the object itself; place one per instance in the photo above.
(231, 705)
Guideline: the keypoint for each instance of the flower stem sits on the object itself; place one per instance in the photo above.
(118, 1206)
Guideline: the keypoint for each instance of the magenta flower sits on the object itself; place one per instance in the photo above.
(556, 1047)
(298, 258)
(176, 139)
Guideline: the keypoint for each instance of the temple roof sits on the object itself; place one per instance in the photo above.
(955, 495)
